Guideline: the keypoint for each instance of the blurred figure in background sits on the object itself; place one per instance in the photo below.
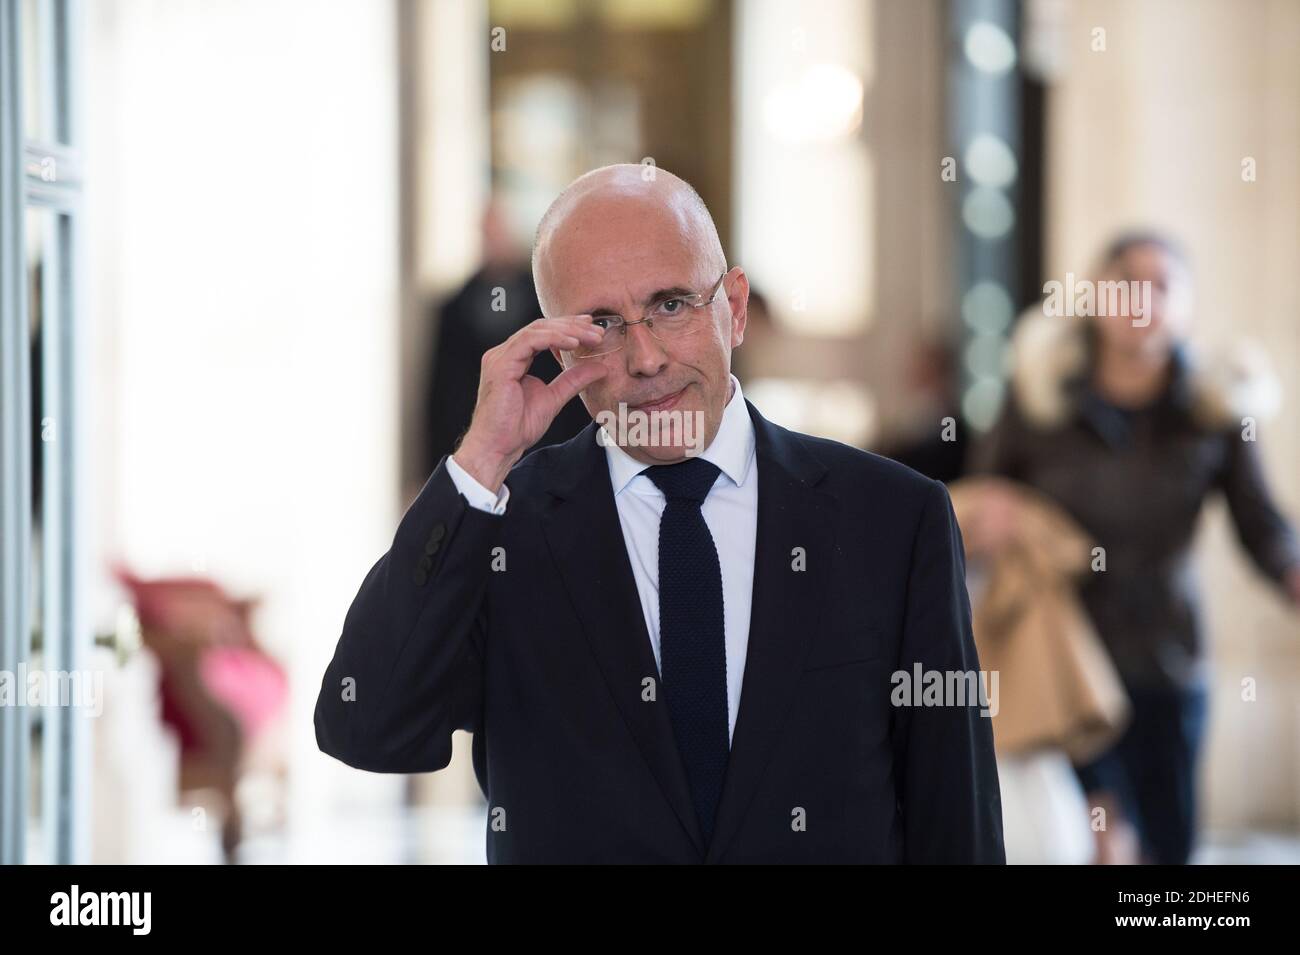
(1113, 418)
(924, 443)
(496, 302)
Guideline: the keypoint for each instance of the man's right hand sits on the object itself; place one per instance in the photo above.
(515, 408)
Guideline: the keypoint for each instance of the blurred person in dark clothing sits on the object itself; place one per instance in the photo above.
(497, 301)
(1116, 419)
(933, 440)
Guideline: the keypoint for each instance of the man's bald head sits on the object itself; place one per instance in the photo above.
(618, 208)
(620, 241)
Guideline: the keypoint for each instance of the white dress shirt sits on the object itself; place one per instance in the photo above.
(730, 511)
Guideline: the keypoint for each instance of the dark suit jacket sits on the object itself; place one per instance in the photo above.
(545, 660)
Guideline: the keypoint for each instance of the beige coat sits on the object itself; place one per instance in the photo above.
(1056, 685)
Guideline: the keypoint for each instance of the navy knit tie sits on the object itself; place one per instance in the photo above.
(692, 646)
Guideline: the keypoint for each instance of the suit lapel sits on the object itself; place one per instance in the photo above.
(784, 612)
(585, 538)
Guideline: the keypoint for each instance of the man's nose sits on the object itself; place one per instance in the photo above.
(644, 355)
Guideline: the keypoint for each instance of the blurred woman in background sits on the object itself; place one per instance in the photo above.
(1113, 418)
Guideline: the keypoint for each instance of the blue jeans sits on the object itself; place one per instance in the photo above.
(1152, 769)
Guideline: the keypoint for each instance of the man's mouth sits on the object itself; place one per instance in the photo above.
(660, 404)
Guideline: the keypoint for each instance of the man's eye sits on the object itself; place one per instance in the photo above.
(604, 321)
(672, 306)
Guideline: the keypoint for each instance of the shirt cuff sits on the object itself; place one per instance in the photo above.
(476, 494)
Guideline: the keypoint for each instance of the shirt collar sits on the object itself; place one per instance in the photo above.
(732, 448)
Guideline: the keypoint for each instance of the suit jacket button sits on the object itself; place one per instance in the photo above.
(421, 576)
(431, 548)
(438, 533)
(426, 564)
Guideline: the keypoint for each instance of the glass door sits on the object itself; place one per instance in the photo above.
(42, 638)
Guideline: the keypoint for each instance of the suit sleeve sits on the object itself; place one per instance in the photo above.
(947, 772)
(408, 668)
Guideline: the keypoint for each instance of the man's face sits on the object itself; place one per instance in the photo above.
(614, 256)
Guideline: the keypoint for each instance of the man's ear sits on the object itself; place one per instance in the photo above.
(738, 299)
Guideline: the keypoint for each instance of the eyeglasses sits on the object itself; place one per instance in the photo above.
(670, 319)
